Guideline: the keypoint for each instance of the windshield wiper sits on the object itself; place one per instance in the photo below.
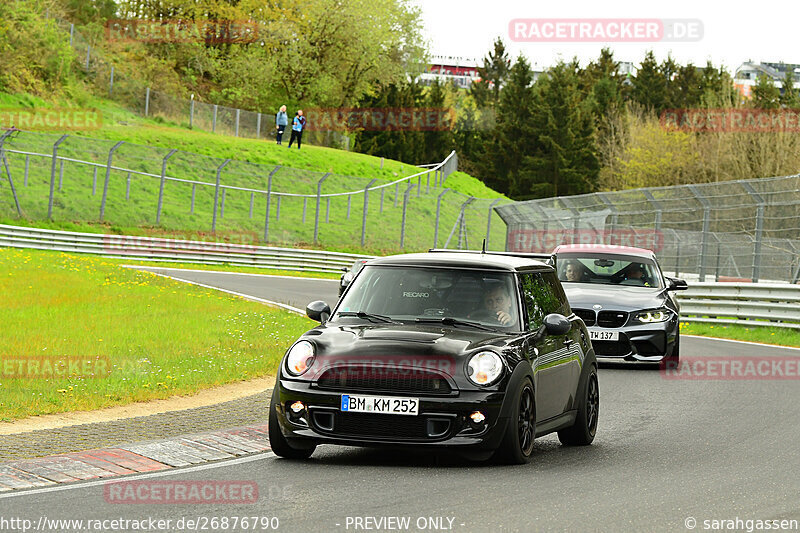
(450, 321)
(368, 316)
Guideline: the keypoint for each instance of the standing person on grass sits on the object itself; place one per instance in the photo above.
(298, 125)
(281, 121)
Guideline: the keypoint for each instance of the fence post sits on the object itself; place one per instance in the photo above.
(305, 205)
(460, 223)
(94, 182)
(316, 215)
(53, 176)
(383, 190)
(349, 198)
(403, 222)
(706, 223)
(111, 82)
(269, 194)
(108, 177)
(214, 120)
(364, 211)
(236, 134)
(191, 207)
(27, 168)
(71, 33)
(258, 126)
(8, 172)
(252, 201)
(759, 229)
(88, 52)
(419, 185)
(489, 221)
(128, 187)
(216, 194)
(428, 182)
(147, 102)
(191, 113)
(163, 181)
(438, 210)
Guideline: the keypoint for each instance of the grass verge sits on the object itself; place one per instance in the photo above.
(144, 336)
(762, 334)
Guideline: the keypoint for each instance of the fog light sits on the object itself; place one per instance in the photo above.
(477, 417)
(297, 407)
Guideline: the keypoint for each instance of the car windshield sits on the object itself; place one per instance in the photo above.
(422, 294)
(607, 269)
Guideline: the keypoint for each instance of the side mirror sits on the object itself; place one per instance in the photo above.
(319, 311)
(344, 269)
(676, 284)
(555, 324)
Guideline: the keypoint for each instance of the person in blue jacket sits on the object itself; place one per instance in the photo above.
(298, 125)
(281, 121)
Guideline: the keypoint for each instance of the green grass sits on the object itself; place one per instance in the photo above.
(762, 334)
(75, 207)
(159, 337)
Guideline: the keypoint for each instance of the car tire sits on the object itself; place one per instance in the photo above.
(582, 432)
(517, 445)
(280, 444)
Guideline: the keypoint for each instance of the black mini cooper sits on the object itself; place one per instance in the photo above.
(466, 351)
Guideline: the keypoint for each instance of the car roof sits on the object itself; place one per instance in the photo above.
(476, 260)
(611, 249)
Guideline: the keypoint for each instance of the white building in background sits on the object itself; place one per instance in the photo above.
(747, 75)
(459, 70)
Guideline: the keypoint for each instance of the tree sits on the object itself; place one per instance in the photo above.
(789, 98)
(564, 161)
(765, 94)
(649, 85)
(493, 74)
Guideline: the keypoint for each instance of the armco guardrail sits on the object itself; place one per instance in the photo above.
(750, 304)
(172, 250)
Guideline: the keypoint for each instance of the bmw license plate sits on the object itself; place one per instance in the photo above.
(603, 335)
(387, 405)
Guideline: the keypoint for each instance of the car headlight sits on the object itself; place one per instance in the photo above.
(484, 368)
(300, 358)
(658, 315)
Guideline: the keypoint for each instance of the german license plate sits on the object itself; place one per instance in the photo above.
(387, 405)
(603, 335)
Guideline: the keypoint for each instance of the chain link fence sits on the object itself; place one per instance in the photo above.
(72, 178)
(746, 230)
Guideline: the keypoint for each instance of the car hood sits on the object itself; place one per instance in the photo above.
(443, 348)
(614, 297)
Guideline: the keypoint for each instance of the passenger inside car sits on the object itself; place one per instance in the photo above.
(574, 271)
(635, 276)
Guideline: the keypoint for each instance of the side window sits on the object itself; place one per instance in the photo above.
(562, 305)
(540, 298)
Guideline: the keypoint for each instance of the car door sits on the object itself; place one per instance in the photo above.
(549, 355)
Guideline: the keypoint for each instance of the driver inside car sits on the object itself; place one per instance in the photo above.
(497, 304)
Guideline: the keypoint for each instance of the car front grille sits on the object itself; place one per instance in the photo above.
(611, 319)
(376, 426)
(587, 315)
(385, 380)
(612, 348)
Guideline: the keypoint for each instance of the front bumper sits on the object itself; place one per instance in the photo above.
(443, 421)
(640, 343)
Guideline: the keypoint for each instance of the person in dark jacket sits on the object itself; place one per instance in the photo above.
(298, 125)
(281, 121)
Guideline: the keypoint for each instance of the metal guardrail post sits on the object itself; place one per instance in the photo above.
(258, 125)
(706, 224)
(191, 207)
(236, 132)
(108, 177)
(305, 208)
(53, 176)
(383, 190)
(163, 181)
(403, 222)
(438, 211)
(252, 202)
(28, 167)
(111, 82)
(269, 194)
(316, 214)
(759, 229)
(8, 172)
(216, 194)
(364, 211)
(147, 102)
(489, 221)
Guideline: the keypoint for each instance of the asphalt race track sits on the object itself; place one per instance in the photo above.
(667, 452)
